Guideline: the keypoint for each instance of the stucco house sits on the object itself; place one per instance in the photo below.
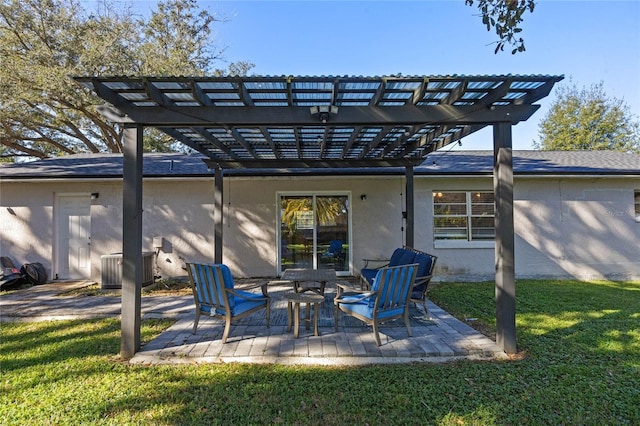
(576, 214)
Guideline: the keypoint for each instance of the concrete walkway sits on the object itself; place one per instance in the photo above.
(436, 338)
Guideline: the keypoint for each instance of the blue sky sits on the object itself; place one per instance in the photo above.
(586, 41)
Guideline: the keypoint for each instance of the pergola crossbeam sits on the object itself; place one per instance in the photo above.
(310, 163)
(410, 115)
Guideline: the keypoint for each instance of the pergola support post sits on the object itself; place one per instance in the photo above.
(505, 240)
(410, 237)
(217, 215)
(131, 241)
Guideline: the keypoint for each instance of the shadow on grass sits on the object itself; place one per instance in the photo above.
(583, 350)
(582, 367)
(591, 316)
(58, 341)
(64, 342)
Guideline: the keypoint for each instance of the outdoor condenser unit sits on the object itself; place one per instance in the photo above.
(112, 270)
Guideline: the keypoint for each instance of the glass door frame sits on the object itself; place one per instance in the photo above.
(313, 195)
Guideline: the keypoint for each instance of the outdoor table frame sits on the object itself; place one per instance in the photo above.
(293, 309)
(314, 279)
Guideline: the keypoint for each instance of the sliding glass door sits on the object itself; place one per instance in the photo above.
(314, 232)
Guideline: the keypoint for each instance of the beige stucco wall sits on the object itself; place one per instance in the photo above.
(26, 227)
(570, 227)
(251, 220)
(181, 212)
(583, 228)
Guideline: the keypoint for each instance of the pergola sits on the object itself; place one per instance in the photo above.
(317, 122)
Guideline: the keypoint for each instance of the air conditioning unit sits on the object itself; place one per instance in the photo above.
(112, 270)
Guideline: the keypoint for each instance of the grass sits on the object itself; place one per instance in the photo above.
(579, 365)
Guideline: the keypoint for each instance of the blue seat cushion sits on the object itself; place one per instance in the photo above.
(358, 306)
(363, 309)
(395, 257)
(417, 293)
(228, 283)
(376, 283)
(405, 257)
(244, 305)
(335, 247)
(424, 264)
(248, 295)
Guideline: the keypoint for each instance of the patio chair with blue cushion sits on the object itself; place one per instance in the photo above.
(335, 252)
(402, 256)
(426, 264)
(387, 300)
(215, 295)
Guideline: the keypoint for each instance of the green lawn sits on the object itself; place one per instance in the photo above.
(579, 365)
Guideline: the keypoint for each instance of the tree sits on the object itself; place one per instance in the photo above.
(44, 113)
(587, 119)
(505, 17)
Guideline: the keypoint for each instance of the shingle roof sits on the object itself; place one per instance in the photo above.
(84, 166)
(106, 166)
(535, 162)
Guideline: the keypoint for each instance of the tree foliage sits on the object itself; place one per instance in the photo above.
(505, 17)
(44, 113)
(586, 119)
(327, 209)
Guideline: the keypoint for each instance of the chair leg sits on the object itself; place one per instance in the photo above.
(335, 318)
(268, 312)
(307, 317)
(406, 322)
(227, 328)
(289, 315)
(315, 319)
(296, 319)
(195, 324)
(424, 304)
(375, 333)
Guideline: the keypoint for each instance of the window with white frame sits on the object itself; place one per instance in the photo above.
(636, 198)
(463, 216)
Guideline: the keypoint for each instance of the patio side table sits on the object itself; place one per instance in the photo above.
(293, 309)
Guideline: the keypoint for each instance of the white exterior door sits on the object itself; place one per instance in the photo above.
(74, 237)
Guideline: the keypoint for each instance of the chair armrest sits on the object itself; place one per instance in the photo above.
(363, 296)
(385, 261)
(421, 280)
(252, 286)
(348, 288)
(262, 285)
